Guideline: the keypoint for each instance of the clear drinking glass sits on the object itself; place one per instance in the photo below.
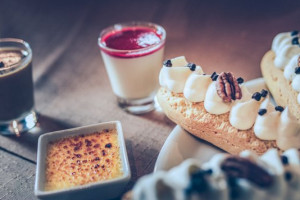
(133, 71)
(16, 87)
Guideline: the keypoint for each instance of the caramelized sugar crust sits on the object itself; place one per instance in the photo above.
(83, 159)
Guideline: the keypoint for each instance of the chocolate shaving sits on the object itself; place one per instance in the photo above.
(228, 87)
(295, 41)
(2, 64)
(167, 63)
(192, 66)
(238, 167)
(279, 108)
(214, 76)
(293, 33)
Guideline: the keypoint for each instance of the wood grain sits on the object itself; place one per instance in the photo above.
(71, 85)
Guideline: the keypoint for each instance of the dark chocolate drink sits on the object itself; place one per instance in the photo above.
(16, 86)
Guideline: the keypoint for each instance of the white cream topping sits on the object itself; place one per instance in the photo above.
(287, 55)
(196, 87)
(284, 49)
(243, 114)
(296, 83)
(289, 70)
(266, 126)
(289, 131)
(173, 184)
(213, 103)
(174, 78)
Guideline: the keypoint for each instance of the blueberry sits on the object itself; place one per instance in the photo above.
(264, 93)
(240, 80)
(293, 33)
(297, 70)
(262, 111)
(168, 63)
(256, 96)
(279, 108)
(295, 41)
(192, 66)
(1, 64)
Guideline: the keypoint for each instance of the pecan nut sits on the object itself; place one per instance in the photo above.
(238, 167)
(228, 87)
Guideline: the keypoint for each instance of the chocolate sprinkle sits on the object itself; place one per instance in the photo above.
(297, 70)
(168, 63)
(192, 66)
(214, 76)
(288, 176)
(264, 93)
(284, 160)
(198, 182)
(262, 111)
(256, 96)
(240, 80)
(295, 41)
(293, 33)
(2, 64)
(279, 108)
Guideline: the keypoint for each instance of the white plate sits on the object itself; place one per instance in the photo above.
(181, 145)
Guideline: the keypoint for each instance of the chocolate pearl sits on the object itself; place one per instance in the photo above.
(240, 80)
(2, 64)
(192, 66)
(279, 108)
(293, 33)
(214, 76)
(295, 41)
(262, 111)
(256, 96)
(264, 93)
(288, 176)
(297, 70)
(284, 160)
(168, 63)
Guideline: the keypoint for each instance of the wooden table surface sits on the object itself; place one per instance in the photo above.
(71, 85)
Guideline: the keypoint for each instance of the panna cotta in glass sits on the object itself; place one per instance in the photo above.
(132, 54)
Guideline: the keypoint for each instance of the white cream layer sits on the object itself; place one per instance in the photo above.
(172, 184)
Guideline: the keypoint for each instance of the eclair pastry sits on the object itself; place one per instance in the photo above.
(226, 177)
(281, 70)
(219, 109)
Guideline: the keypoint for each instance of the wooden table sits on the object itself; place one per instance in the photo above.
(71, 85)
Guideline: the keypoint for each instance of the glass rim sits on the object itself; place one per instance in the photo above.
(23, 61)
(119, 26)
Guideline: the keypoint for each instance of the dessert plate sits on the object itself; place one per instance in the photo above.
(181, 145)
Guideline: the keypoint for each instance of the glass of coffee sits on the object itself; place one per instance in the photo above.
(16, 87)
(133, 54)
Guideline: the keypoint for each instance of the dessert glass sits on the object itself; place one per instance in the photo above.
(16, 87)
(134, 72)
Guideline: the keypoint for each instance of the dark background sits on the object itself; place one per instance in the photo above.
(71, 85)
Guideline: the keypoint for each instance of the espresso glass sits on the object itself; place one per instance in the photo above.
(133, 73)
(16, 87)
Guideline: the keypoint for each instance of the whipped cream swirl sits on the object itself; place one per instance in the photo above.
(252, 110)
(287, 49)
(271, 176)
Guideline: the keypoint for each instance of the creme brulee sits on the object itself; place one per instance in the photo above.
(83, 159)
